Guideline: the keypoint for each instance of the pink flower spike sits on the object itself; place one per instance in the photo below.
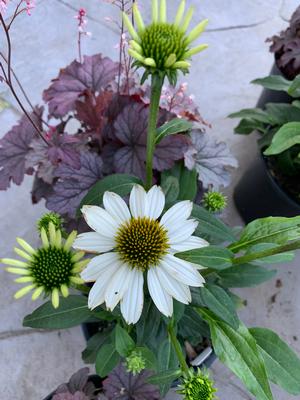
(3, 6)
(30, 4)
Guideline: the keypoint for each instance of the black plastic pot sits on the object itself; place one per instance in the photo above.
(97, 381)
(258, 195)
(204, 359)
(273, 96)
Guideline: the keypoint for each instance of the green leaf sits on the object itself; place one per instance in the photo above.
(89, 354)
(118, 183)
(294, 87)
(72, 311)
(220, 303)
(274, 82)
(245, 275)
(277, 230)
(188, 184)
(170, 187)
(282, 363)
(281, 113)
(176, 125)
(107, 359)
(252, 113)
(247, 126)
(149, 324)
(210, 257)
(211, 228)
(165, 378)
(276, 258)
(237, 349)
(166, 360)
(124, 343)
(193, 327)
(285, 138)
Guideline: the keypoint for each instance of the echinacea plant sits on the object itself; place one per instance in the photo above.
(162, 267)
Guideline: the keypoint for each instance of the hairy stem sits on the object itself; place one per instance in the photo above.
(156, 88)
(177, 347)
(266, 253)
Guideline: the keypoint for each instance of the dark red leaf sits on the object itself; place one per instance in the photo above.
(73, 184)
(96, 73)
(14, 147)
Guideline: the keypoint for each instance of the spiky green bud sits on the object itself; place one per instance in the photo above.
(135, 363)
(214, 201)
(45, 220)
(197, 385)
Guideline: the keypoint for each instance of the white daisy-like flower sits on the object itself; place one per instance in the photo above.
(134, 242)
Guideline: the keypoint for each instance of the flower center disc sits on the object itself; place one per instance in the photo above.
(142, 242)
(52, 267)
(159, 41)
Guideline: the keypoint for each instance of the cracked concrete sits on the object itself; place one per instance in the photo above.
(32, 362)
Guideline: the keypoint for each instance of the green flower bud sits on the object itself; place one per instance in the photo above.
(45, 220)
(135, 363)
(197, 386)
(214, 201)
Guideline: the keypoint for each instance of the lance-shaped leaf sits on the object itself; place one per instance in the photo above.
(96, 73)
(172, 127)
(277, 230)
(285, 138)
(282, 363)
(210, 257)
(245, 275)
(237, 349)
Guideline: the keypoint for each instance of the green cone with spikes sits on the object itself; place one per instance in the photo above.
(197, 385)
(164, 47)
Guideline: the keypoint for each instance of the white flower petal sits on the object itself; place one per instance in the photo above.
(97, 293)
(192, 243)
(133, 300)
(161, 298)
(182, 232)
(179, 212)
(93, 242)
(118, 286)
(116, 207)
(182, 271)
(176, 289)
(155, 202)
(100, 220)
(137, 201)
(99, 265)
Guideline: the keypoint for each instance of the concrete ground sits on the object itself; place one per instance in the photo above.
(33, 362)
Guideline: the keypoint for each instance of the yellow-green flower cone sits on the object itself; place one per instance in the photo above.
(51, 269)
(162, 46)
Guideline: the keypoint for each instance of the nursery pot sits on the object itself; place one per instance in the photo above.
(273, 96)
(95, 379)
(258, 194)
(204, 359)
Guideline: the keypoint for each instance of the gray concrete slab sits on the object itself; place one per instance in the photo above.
(33, 363)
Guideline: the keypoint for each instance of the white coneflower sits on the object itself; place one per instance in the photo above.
(162, 45)
(135, 242)
(51, 269)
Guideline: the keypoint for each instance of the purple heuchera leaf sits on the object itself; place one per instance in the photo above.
(122, 385)
(96, 73)
(211, 160)
(73, 184)
(128, 150)
(78, 388)
(14, 147)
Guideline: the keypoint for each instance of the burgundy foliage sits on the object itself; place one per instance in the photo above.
(286, 47)
(121, 385)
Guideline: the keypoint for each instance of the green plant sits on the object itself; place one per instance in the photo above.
(279, 127)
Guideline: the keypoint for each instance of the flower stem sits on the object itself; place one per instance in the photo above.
(156, 88)
(177, 347)
(266, 253)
